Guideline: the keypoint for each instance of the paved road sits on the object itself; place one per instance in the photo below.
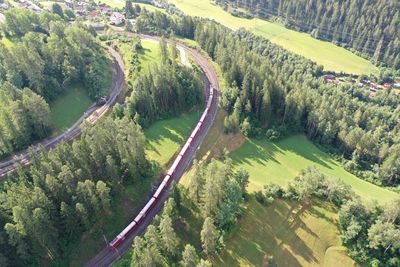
(107, 255)
(92, 115)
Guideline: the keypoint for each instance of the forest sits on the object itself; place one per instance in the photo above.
(369, 27)
(45, 57)
(273, 93)
(215, 190)
(167, 89)
(280, 93)
(67, 190)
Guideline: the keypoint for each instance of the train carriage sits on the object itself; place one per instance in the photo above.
(160, 188)
(167, 179)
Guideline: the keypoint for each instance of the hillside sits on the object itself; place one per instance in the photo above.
(332, 57)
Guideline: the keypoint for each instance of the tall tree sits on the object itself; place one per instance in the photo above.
(209, 237)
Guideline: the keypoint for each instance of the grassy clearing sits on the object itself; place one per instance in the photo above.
(6, 41)
(51, 3)
(150, 53)
(332, 57)
(292, 234)
(69, 106)
(147, 56)
(280, 162)
(164, 137)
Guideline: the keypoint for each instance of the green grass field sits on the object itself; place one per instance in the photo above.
(332, 57)
(69, 106)
(290, 233)
(280, 162)
(51, 3)
(121, 4)
(6, 41)
(164, 137)
(147, 56)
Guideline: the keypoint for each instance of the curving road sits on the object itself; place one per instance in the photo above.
(92, 115)
(107, 255)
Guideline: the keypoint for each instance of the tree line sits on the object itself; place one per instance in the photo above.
(166, 89)
(216, 192)
(67, 190)
(369, 27)
(45, 56)
(273, 92)
(24, 116)
(370, 232)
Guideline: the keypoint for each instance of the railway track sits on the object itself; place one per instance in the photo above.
(92, 115)
(123, 242)
(107, 255)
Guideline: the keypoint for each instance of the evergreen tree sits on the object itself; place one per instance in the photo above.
(209, 237)
(189, 256)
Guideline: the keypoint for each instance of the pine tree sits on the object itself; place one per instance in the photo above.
(209, 237)
(168, 235)
(189, 256)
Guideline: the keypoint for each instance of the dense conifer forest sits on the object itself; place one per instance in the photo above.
(167, 89)
(216, 193)
(274, 92)
(270, 93)
(69, 188)
(45, 57)
(369, 27)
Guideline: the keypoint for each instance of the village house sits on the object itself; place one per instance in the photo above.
(4, 6)
(117, 19)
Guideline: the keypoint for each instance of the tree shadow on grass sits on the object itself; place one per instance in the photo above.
(268, 230)
(168, 129)
(307, 151)
(254, 151)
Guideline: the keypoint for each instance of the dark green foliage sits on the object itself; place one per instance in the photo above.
(222, 192)
(161, 24)
(50, 55)
(271, 87)
(311, 182)
(368, 233)
(46, 56)
(24, 117)
(67, 189)
(165, 90)
(308, 184)
(57, 9)
(369, 27)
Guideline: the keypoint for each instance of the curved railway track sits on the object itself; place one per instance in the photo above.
(143, 217)
(107, 255)
(92, 115)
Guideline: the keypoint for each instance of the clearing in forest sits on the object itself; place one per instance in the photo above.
(279, 162)
(331, 56)
(288, 232)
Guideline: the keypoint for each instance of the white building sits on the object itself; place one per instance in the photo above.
(117, 19)
(2, 18)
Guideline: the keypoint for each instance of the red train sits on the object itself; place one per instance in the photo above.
(167, 179)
